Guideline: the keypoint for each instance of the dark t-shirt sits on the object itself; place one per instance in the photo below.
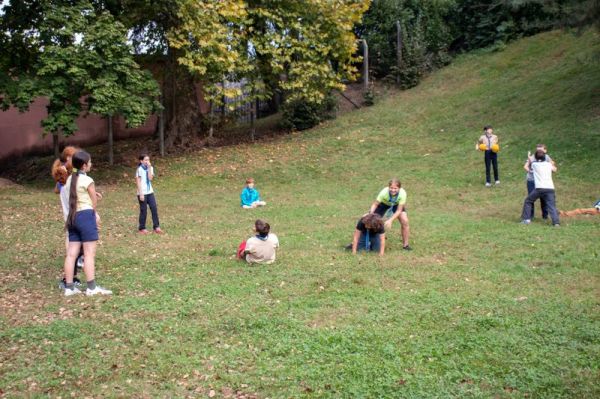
(363, 229)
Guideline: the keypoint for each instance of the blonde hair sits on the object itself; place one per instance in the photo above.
(394, 181)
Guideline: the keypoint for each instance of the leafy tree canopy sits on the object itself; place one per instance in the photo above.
(76, 56)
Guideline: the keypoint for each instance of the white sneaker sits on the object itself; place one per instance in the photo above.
(497, 182)
(98, 290)
(488, 185)
(73, 291)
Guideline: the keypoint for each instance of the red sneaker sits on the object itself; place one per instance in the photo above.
(158, 231)
(143, 231)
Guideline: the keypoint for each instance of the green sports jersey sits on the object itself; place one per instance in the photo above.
(385, 198)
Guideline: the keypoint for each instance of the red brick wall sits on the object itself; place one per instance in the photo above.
(21, 133)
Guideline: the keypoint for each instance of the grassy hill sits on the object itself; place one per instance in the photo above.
(483, 306)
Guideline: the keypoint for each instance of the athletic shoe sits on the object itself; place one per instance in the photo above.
(98, 290)
(526, 221)
(488, 185)
(143, 231)
(63, 283)
(72, 291)
(158, 231)
(556, 225)
(497, 182)
(407, 248)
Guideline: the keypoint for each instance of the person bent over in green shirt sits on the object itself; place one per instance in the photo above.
(393, 198)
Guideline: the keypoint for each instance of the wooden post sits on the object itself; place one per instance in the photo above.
(365, 63)
(55, 145)
(223, 101)
(398, 50)
(211, 128)
(161, 131)
(252, 119)
(111, 157)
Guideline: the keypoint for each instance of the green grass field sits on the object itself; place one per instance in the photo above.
(483, 306)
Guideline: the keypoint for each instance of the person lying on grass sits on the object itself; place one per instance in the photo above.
(583, 211)
(369, 234)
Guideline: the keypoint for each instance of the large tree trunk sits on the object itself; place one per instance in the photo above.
(182, 111)
(55, 145)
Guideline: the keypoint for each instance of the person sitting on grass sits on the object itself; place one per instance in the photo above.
(250, 197)
(369, 234)
(262, 247)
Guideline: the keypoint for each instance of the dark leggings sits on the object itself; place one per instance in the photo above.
(150, 201)
(530, 188)
(491, 159)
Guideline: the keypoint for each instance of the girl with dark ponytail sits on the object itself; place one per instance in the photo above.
(82, 224)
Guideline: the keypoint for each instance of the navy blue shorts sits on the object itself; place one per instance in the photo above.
(85, 228)
(383, 208)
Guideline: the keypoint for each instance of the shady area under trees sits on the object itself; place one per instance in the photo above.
(131, 59)
(96, 57)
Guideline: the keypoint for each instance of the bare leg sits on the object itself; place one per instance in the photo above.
(72, 252)
(405, 228)
(89, 265)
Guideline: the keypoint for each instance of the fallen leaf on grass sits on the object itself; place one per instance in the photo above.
(521, 298)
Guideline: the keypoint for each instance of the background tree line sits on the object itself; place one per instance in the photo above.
(434, 30)
(131, 58)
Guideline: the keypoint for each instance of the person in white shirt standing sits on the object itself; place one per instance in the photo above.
(143, 177)
(544, 188)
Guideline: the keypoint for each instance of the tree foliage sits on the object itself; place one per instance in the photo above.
(308, 47)
(433, 30)
(78, 58)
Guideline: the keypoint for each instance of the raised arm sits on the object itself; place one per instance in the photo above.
(150, 171)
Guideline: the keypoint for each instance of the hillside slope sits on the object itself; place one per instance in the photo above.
(483, 306)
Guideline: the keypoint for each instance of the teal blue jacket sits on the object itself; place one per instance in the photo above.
(249, 196)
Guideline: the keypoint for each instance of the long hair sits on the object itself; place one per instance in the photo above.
(373, 221)
(79, 159)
